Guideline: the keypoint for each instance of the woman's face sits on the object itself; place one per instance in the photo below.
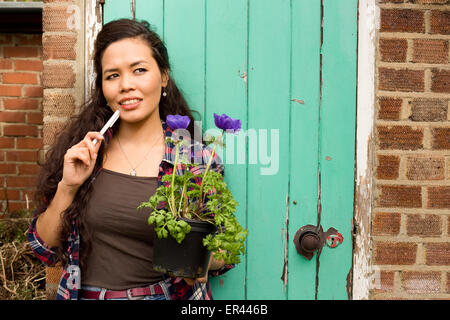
(132, 80)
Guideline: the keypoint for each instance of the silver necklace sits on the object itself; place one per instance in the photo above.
(133, 169)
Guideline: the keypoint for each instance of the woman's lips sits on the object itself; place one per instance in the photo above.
(130, 106)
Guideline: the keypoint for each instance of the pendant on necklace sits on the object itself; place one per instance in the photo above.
(133, 172)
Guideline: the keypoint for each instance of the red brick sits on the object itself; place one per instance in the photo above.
(440, 22)
(430, 51)
(33, 91)
(428, 226)
(29, 143)
(21, 181)
(429, 110)
(21, 104)
(448, 282)
(425, 168)
(16, 206)
(51, 130)
(430, 1)
(402, 20)
(400, 137)
(386, 223)
(58, 76)
(10, 91)
(28, 65)
(384, 281)
(437, 253)
(440, 81)
(20, 130)
(22, 156)
(59, 47)
(448, 226)
(35, 118)
(28, 169)
(395, 253)
(421, 282)
(393, 50)
(6, 64)
(12, 117)
(10, 194)
(6, 39)
(439, 197)
(59, 105)
(6, 142)
(400, 196)
(55, 18)
(388, 167)
(390, 108)
(29, 39)
(20, 77)
(440, 138)
(7, 168)
(401, 80)
(20, 52)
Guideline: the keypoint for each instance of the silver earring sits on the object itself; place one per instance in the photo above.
(164, 94)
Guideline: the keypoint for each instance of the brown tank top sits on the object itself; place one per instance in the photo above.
(121, 239)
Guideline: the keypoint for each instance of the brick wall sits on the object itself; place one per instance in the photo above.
(20, 118)
(411, 209)
(411, 220)
(63, 79)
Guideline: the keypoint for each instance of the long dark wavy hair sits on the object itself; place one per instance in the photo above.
(93, 115)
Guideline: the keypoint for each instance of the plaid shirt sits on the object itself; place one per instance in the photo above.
(70, 281)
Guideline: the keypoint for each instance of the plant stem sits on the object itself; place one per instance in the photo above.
(207, 167)
(181, 198)
(177, 147)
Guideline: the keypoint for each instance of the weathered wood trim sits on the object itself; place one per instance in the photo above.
(94, 21)
(362, 247)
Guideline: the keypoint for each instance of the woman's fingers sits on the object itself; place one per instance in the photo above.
(191, 281)
(88, 141)
(79, 153)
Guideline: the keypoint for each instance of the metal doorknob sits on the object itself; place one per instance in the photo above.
(309, 239)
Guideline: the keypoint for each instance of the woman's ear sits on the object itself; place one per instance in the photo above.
(164, 78)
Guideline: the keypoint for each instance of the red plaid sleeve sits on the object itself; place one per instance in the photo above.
(41, 250)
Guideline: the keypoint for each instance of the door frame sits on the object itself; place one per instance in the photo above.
(368, 22)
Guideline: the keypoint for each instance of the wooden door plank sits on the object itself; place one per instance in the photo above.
(337, 134)
(304, 140)
(153, 13)
(184, 35)
(268, 103)
(226, 92)
(116, 9)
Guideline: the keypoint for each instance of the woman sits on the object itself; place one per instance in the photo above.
(89, 192)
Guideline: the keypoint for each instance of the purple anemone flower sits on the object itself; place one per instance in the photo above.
(224, 122)
(178, 122)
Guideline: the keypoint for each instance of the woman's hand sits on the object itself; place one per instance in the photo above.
(213, 265)
(79, 161)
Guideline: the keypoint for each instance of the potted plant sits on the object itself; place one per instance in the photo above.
(193, 214)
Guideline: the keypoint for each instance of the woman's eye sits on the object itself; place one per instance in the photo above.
(111, 76)
(140, 70)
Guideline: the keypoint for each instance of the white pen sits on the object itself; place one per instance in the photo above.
(108, 125)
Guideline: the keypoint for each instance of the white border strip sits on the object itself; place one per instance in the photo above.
(362, 268)
(93, 25)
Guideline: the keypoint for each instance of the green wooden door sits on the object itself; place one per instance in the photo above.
(287, 69)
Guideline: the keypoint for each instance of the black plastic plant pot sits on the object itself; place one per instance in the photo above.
(188, 259)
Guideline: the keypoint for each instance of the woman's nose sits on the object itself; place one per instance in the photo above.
(127, 83)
